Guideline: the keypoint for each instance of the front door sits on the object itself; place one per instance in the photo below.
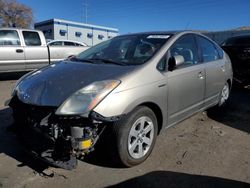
(186, 84)
(36, 53)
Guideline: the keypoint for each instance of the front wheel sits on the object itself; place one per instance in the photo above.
(136, 136)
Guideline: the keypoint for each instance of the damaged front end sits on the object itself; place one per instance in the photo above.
(59, 140)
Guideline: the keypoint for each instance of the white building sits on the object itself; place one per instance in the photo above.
(57, 29)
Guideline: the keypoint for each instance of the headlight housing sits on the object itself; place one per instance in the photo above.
(87, 98)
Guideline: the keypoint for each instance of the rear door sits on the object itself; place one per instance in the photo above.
(215, 70)
(11, 51)
(186, 84)
(36, 52)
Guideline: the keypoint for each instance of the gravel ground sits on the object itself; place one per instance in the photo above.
(206, 150)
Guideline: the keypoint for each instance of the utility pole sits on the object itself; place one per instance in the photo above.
(85, 10)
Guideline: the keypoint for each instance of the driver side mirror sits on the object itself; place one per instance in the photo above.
(175, 61)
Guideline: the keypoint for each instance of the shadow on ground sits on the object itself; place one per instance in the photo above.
(176, 180)
(10, 146)
(236, 113)
(11, 75)
(104, 154)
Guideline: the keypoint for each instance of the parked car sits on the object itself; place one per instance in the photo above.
(61, 49)
(136, 84)
(24, 50)
(238, 49)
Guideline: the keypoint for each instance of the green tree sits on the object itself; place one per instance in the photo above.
(14, 14)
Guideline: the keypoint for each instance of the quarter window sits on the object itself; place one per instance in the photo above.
(208, 50)
(9, 38)
(31, 38)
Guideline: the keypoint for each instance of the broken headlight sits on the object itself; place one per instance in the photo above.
(87, 98)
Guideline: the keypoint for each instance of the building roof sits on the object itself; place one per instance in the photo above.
(77, 24)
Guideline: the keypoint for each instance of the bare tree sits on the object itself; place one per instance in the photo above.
(14, 14)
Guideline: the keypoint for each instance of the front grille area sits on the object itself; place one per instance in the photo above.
(27, 120)
(23, 112)
(38, 129)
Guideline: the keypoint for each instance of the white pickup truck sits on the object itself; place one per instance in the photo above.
(25, 49)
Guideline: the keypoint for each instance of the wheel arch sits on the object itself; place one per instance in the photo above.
(157, 111)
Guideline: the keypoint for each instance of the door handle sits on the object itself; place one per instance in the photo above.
(200, 75)
(19, 51)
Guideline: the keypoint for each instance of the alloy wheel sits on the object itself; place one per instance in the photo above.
(140, 137)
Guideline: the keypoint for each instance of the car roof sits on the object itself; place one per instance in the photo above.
(20, 29)
(67, 41)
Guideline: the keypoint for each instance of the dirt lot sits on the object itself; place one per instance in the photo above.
(207, 150)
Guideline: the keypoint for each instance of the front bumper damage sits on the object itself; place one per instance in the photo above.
(58, 140)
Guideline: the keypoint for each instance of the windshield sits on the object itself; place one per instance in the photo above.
(125, 50)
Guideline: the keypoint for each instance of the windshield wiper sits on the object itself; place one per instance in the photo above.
(108, 61)
(82, 60)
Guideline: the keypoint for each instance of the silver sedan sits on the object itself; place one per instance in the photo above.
(136, 84)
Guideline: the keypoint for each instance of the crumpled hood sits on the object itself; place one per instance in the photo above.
(53, 84)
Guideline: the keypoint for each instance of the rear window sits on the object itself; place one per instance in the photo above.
(9, 38)
(237, 41)
(31, 38)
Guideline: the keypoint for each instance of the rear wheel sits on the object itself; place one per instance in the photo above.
(136, 136)
(224, 95)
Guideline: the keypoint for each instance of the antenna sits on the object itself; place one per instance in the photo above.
(85, 11)
(187, 25)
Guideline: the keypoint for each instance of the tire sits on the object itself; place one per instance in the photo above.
(135, 142)
(224, 95)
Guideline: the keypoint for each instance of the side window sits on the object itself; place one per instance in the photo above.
(208, 50)
(186, 47)
(9, 38)
(69, 44)
(56, 43)
(31, 38)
